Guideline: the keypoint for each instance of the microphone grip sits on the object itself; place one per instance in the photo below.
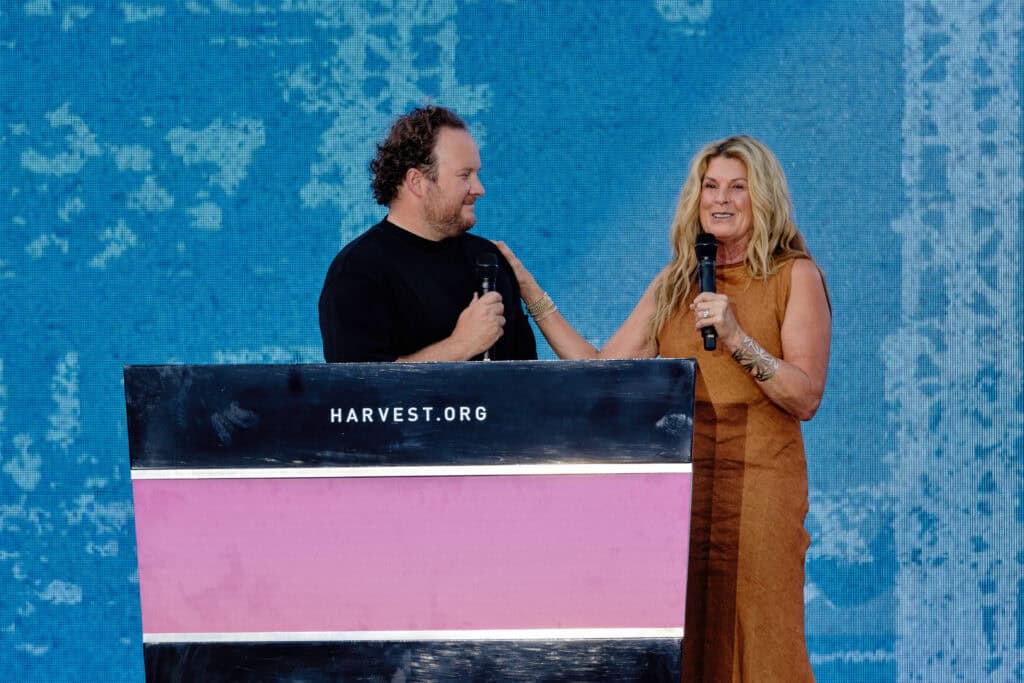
(486, 285)
(710, 337)
(487, 353)
(706, 275)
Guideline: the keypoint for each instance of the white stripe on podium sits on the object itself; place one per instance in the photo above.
(413, 471)
(442, 635)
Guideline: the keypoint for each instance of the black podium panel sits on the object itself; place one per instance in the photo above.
(506, 521)
(568, 661)
(409, 414)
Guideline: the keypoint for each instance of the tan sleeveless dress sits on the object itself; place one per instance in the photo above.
(744, 607)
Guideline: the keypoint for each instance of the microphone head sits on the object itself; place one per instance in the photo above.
(706, 246)
(486, 270)
(486, 264)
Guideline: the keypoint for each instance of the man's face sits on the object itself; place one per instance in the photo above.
(448, 202)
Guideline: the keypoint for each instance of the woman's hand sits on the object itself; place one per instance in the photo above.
(714, 310)
(528, 287)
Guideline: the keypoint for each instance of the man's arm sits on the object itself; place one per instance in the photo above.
(480, 325)
(356, 324)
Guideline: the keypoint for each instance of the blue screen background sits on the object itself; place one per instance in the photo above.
(177, 176)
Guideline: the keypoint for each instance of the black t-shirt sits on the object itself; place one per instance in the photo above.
(390, 293)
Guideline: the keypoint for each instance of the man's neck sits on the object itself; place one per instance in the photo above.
(411, 221)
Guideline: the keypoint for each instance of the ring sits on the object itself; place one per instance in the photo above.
(707, 313)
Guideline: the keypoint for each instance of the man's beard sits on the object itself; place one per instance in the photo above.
(446, 221)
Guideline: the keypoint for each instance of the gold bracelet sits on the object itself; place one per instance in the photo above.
(541, 307)
(545, 313)
(755, 360)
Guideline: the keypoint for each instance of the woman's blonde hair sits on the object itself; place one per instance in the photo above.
(774, 239)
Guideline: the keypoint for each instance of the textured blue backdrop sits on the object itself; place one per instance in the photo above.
(176, 176)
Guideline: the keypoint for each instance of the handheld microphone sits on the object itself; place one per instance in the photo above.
(486, 272)
(706, 246)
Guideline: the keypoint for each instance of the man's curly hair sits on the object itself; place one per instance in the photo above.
(410, 144)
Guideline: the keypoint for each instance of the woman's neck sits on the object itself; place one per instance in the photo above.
(730, 253)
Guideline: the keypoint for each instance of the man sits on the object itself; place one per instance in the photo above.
(406, 289)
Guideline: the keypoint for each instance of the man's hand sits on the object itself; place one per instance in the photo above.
(480, 324)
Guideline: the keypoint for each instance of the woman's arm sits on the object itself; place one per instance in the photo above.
(796, 381)
(632, 340)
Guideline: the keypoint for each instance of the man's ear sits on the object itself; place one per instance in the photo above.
(415, 182)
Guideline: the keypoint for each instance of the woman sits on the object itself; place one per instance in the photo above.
(745, 611)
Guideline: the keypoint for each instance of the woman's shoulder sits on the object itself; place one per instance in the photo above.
(806, 276)
(804, 270)
(662, 274)
(796, 266)
(654, 285)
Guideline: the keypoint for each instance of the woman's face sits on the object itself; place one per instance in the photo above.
(725, 209)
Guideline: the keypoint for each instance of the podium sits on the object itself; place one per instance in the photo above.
(505, 521)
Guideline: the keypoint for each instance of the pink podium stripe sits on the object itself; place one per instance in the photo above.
(417, 553)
